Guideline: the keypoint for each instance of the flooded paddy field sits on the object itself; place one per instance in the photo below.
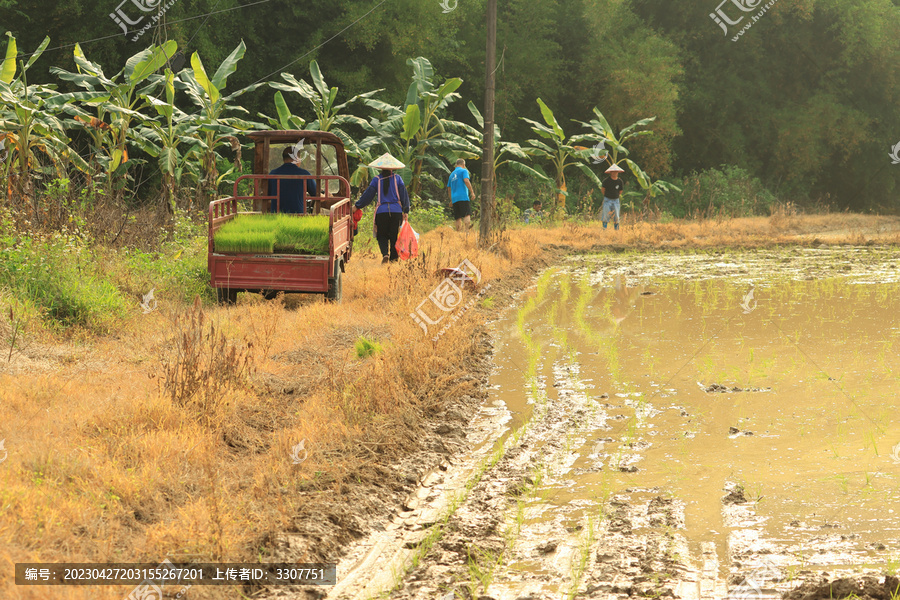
(663, 425)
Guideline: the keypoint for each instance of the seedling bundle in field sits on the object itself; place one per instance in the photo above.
(280, 233)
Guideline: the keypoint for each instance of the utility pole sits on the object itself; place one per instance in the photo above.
(487, 156)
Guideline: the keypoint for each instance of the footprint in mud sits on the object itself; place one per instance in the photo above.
(735, 496)
(734, 432)
(718, 388)
(863, 588)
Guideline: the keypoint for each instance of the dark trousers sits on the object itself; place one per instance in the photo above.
(388, 227)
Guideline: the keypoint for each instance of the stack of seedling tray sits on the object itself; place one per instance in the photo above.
(273, 234)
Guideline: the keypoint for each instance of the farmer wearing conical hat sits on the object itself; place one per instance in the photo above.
(392, 208)
(612, 188)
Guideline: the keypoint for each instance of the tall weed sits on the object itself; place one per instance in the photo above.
(201, 363)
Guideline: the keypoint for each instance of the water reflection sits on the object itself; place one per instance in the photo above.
(819, 375)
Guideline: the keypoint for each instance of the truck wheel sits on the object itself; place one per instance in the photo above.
(226, 295)
(335, 286)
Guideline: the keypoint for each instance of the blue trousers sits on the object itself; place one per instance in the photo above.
(608, 205)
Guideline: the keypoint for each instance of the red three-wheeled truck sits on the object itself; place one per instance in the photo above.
(322, 154)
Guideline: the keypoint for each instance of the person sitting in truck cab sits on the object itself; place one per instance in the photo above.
(292, 197)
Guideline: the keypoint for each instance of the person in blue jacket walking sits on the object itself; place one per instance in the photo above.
(392, 208)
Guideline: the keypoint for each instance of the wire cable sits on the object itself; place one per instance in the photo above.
(106, 37)
(373, 9)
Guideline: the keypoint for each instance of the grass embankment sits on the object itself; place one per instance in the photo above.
(274, 233)
(173, 435)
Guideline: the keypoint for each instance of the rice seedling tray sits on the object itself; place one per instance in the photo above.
(273, 234)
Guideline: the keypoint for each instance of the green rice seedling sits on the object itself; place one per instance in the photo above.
(366, 348)
(482, 564)
(870, 439)
(243, 241)
(580, 560)
(274, 233)
(304, 235)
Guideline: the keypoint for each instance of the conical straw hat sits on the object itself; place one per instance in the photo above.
(386, 161)
(615, 168)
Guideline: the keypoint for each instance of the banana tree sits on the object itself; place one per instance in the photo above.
(393, 133)
(651, 190)
(419, 130)
(215, 129)
(603, 135)
(506, 153)
(284, 119)
(29, 119)
(329, 115)
(558, 149)
(164, 139)
(118, 100)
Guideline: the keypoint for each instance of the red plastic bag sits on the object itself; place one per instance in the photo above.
(407, 242)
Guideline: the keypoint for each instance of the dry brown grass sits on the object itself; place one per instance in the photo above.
(102, 466)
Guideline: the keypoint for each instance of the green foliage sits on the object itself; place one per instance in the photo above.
(304, 235)
(727, 191)
(216, 129)
(506, 153)
(60, 280)
(821, 106)
(30, 121)
(174, 275)
(116, 99)
(419, 133)
(366, 348)
(280, 233)
(428, 218)
(558, 149)
(636, 71)
(329, 115)
(64, 281)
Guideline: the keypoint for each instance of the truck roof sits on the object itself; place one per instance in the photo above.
(292, 135)
(263, 139)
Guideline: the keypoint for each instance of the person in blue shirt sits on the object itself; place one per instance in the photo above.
(291, 197)
(460, 196)
(392, 208)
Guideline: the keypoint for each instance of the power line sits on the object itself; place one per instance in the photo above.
(106, 37)
(322, 44)
(202, 25)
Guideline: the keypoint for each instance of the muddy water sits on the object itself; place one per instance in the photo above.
(682, 388)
